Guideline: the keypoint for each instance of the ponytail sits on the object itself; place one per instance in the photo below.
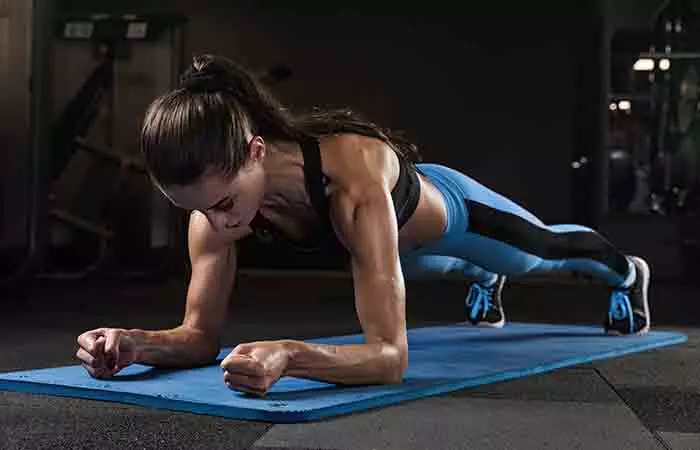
(267, 115)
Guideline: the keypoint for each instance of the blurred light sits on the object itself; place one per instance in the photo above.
(624, 105)
(643, 65)
(582, 161)
(664, 64)
(613, 106)
(618, 154)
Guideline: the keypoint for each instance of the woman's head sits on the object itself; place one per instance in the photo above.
(228, 202)
(204, 142)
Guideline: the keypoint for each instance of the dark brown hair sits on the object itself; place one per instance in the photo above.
(202, 124)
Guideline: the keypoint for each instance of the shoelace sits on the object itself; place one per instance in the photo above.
(479, 297)
(621, 308)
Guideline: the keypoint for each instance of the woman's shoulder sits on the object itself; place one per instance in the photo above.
(352, 158)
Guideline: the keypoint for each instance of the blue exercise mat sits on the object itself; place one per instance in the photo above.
(442, 359)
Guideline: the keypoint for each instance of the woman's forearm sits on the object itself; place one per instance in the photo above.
(177, 347)
(345, 364)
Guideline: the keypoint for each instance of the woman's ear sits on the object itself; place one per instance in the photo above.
(257, 149)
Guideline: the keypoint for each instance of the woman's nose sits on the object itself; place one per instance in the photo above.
(221, 221)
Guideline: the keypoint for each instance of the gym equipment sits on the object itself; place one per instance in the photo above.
(678, 167)
(442, 359)
(93, 236)
(675, 163)
(674, 169)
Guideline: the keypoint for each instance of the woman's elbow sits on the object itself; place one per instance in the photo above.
(397, 364)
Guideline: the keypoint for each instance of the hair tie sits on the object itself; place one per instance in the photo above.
(211, 81)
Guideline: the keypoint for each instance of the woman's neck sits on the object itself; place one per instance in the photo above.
(284, 170)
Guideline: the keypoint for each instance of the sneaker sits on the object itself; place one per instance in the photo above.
(629, 308)
(484, 305)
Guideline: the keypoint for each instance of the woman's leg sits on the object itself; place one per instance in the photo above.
(484, 306)
(494, 233)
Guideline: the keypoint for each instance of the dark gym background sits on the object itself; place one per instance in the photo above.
(489, 94)
(513, 100)
(523, 96)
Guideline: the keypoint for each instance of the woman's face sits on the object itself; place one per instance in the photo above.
(229, 203)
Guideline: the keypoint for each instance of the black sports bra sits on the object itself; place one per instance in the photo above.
(405, 196)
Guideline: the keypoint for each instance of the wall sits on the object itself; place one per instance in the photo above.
(497, 107)
(633, 14)
(491, 94)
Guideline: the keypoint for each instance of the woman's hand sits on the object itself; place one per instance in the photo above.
(254, 367)
(105, 351)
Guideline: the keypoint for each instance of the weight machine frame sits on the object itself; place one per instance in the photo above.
(103, 31)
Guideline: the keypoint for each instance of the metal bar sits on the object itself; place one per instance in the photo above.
(612, 96)
(82, 224)
(38, 155)
(96, 265)
(40, 125)
(111, 155)
(671, 55)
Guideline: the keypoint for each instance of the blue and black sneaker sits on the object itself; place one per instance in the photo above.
(629, 308)
(484, 307)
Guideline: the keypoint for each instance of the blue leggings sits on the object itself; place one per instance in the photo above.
(488, 234)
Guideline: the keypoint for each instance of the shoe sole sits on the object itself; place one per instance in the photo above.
(498, 324)
(642, 265)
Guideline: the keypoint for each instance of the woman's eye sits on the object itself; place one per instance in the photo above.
(225, 206)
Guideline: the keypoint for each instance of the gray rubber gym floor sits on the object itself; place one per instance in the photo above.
(644, 401)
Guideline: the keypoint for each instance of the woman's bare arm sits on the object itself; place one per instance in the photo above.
(197, 339)
(365, 220)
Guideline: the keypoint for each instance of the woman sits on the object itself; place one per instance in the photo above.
(224, 148)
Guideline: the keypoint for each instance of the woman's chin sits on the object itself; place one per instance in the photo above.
(238, 232)
(243, 228)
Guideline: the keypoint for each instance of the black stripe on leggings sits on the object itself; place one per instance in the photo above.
(512, 229)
